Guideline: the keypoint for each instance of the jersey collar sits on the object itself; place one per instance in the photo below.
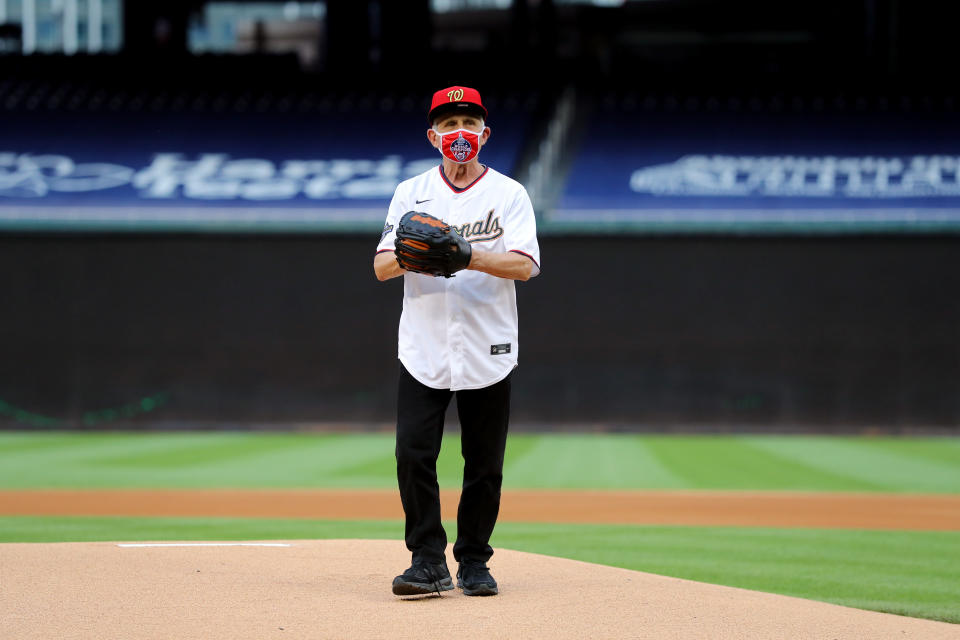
(458, 189)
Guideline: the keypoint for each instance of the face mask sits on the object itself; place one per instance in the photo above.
(461, 145)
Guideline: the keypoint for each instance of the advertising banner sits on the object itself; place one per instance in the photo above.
(763, 172)
(236, 172)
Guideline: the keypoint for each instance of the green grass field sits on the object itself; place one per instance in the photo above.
(910, 573)
(205, 460)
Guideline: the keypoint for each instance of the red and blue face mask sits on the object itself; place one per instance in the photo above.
(460, 146)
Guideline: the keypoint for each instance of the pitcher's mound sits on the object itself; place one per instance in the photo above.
(341, 589)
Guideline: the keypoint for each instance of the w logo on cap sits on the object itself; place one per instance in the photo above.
(461, 148)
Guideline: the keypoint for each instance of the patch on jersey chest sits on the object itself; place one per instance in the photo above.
(482, 230)
(499, 349)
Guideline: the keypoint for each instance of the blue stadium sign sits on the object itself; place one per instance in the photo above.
(785, 173)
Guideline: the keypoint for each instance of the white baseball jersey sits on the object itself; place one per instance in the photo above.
(461, 332)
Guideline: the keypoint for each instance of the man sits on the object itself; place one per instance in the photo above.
(458, 336)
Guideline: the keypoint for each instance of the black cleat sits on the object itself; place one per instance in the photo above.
(423, 578)
(475, 579)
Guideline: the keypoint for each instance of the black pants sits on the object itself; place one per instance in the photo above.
(484, 415)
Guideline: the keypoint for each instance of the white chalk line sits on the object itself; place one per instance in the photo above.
(203, 544)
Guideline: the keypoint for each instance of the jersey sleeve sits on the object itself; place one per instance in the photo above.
(394, 213)
(521, 229)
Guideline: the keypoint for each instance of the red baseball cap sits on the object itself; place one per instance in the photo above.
(455, 98)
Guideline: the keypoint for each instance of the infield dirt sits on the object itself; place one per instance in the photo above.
(341, 589)
(757, 509)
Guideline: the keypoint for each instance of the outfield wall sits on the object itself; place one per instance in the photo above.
(835, 333)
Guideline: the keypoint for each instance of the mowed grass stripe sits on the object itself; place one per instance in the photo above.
(894, 466)
(735, 463)
(370, 473)
(74, 462)
(109, 448)
(69, 445)
(324, 461)
(177, 453)
(941, 450)
(214, 460)
(587, 462)
(27, 442)
(903, 572)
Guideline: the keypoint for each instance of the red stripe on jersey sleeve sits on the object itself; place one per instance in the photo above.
(526, 254)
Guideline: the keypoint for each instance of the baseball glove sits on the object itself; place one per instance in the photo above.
(428, 245)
